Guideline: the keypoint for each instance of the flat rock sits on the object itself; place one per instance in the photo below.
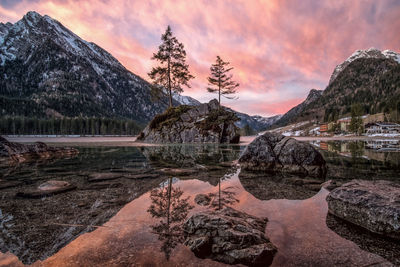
(229, 236)
(273, 152)
(142, 176)
(48, 188)
(103, 176)
(373, 205)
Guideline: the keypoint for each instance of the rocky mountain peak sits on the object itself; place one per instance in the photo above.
(368, 53)
(313, 95)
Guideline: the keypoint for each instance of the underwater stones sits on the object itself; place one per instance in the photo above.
(48, 188)
(272, 152)
(178, 172)
(373, 205)
(202, 199)
(229, 236)
(103, 176)
(142, 176)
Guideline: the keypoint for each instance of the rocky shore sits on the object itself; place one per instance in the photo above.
(16, 152)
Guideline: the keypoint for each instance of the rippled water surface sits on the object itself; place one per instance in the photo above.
(116, 221)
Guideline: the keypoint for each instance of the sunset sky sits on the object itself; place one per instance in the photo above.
(279, 49)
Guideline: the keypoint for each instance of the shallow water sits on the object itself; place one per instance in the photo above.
(111, 223)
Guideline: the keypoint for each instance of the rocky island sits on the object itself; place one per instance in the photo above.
(205, 123)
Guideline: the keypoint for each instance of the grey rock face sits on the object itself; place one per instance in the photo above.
(277, 153)
(199, 124)
(373, 205)
(20, 152)
(229, 236)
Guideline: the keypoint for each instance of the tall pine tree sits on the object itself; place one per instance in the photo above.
(221, 81)
(173, 72)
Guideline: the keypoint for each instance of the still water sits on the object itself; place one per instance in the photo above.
(115, 221)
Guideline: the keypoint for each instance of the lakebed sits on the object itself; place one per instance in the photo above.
(107, 221)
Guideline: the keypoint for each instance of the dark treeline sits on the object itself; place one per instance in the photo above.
(16, 125)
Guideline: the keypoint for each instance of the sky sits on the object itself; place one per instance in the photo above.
(280, 49)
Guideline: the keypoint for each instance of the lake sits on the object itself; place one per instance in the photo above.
(110, 220)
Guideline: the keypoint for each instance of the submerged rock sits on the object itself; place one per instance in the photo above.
(366, 240)
(20, 152)
(48, 188)
(276, 153)
(229, 236)
(373, 205)
(103, 176)
(202, 199)
(205, 123)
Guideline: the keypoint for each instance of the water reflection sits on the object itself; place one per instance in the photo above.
(38, 229)
(168, 205)
(360, 160)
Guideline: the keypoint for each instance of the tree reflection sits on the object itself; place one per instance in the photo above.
(223, 198)
(169, 205)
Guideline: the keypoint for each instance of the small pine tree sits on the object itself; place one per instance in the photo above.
(221, 81)
(356, 123)
(173, 72)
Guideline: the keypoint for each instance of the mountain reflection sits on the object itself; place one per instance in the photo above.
(168, 205)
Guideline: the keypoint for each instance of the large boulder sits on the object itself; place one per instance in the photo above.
(205, 123)
(20, 152)
(373, 205)
(276, 153)
(229, 236)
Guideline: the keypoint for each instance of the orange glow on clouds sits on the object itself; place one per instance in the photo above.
(280, 49)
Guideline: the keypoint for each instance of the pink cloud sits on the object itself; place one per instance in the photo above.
(279, 49)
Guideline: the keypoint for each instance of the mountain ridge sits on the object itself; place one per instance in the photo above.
(368, 77)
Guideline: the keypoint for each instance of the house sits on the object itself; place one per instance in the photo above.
(382, 128)
(344, 124)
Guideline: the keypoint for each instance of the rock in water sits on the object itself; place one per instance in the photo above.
(48, 188)
(20, 152)
(205, 123)
(276, 153)
(373, 205)
(229, 236)
(202, 199)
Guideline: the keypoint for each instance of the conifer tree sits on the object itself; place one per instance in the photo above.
(173, 72)
(221, 81)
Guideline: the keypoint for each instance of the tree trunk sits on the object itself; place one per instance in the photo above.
(169, 199)
(219, 93)
(169, 83)
(219, 194)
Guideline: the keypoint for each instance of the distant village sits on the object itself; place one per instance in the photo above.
(379, 124)
(374, 125)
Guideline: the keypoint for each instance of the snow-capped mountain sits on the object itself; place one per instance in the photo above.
(185, 100)
(54, 71)
(369, 53)
(368, 77)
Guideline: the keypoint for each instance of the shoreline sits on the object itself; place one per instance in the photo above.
(131, 140)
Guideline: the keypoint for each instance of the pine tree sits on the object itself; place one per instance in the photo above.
(356, 123)
(221, 81)
(173, 72)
